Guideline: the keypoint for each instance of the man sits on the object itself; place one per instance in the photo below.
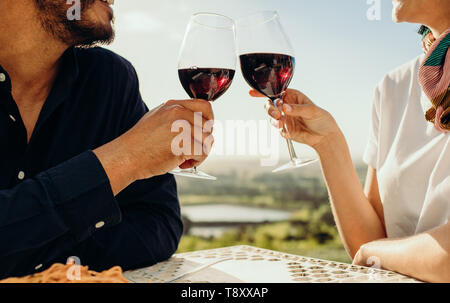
(83, 163)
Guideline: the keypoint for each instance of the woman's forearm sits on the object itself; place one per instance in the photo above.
(356, 218)
(357, 221)
(425, 256)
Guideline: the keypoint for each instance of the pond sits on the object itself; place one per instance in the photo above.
(227, 214)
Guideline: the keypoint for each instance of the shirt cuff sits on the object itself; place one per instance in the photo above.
(83, 196)
(370, 155)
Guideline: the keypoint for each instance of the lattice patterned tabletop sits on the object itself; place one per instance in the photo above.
(255, 265)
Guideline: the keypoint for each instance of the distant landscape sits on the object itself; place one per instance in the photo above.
(311, 230)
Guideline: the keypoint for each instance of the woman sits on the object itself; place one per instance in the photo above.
(401, 219)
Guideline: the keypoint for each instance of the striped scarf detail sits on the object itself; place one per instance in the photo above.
(434, 77)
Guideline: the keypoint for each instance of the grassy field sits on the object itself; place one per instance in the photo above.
(332, 250)
(311, 231)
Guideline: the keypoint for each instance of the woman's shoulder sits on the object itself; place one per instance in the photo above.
(395, 93)
(399, 87)
(403, 75)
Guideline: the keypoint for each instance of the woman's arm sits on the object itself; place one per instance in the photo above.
(359, 218)
(425, 256)
(358, 215)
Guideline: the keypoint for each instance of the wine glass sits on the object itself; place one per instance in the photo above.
(207, 64)
(268, 64)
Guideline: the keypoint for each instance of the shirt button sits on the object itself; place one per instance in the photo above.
(2, 77)
(38, 267)
(12, 118)
(100, 224)
(21, 175)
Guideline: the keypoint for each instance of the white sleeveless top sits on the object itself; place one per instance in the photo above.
(412, 159)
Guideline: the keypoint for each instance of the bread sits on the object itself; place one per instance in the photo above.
(69, 273)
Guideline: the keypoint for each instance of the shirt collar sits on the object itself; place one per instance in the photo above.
(66, 76)
(70, 67)
(63, 86)
(5, 83)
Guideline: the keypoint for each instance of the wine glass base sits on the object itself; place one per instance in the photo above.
(192, 173)
(295, 163)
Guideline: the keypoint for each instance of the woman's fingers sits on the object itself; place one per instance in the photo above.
(276, 123)
(305, 111)
(256, 94)
(272, 111)
(293, 96)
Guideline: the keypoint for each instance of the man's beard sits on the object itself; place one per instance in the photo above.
(81, 33)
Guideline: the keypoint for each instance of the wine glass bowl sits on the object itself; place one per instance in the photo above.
(206, 83)
(209, 42)
(270, 74)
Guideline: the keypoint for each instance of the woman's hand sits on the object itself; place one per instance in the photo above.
(306, 122)
(364, 257)
(424, 256)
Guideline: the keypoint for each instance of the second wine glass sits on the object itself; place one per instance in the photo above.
(207, 64)
(268, 64)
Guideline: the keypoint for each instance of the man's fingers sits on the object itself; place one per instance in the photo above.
(182, 113)
(256, 94)
(189, 164)
(195, 158)
(199, 133)
(198, 141)
(305, 111)
(197, 155)
(195, 105)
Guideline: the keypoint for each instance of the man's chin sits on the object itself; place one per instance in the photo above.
(105, 40)
(85, 35)
(395, 17)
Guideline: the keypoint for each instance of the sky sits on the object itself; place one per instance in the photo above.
(341, 55)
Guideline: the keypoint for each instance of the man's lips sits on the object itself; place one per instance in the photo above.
(107, 4)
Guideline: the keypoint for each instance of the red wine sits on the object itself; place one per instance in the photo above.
(206, 83)
(270, 74)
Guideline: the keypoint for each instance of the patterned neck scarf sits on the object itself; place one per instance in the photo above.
(434, 77)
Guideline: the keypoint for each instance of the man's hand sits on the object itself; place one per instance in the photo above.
(146, 149)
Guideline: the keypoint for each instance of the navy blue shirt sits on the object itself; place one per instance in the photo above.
(55, 197)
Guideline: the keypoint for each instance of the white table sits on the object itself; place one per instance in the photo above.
(246, 264)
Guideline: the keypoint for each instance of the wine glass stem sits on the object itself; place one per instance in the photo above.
(291, 149)
(292, 154)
